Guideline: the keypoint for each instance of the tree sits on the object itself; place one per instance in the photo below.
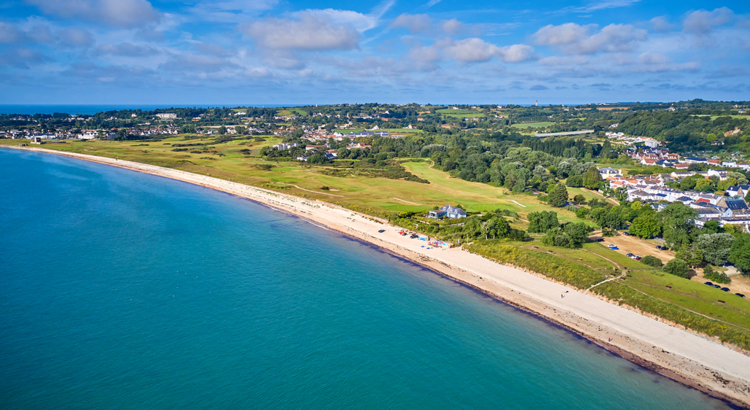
(739, 255)
(592, 179)
(723, 185)
(716, 247)
(704, 185)
(582, 213)
(652, 261)
(711, 227)
(574, 181)
(541, 222)
(690, 254)
(678, 224)
(677, 267)
(578, 232)
(646, 226)
(559, 196)
(579, 199)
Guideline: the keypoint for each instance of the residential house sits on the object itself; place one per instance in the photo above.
(609, 172)
(738, 191)
(453, 212)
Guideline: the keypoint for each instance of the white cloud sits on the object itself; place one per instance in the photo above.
(416, 23)
(196, 63)
(309, 33)
(701, 21)
(453, 26)
(121, 13)
(517, 53)
(661, 24)
(10, 34)
(126, 50)
(471, 50)
(653, 58)
(75, 37)
(572, 38)
(558, 35)
(476, 50)
(423, 58)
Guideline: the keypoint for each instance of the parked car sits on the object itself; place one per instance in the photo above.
(740, 295)
(708, 283)
(661, 248)
(414, 236)
(717, 286)
(636, 257)
(725, 289)
(599, 240)
(381, 231)
(613, 247)
(629, 255)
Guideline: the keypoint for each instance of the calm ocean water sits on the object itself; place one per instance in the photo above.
(124, 290)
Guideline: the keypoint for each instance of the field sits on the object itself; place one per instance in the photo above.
(533, 125)
(449, 112)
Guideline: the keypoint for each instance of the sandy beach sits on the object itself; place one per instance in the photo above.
(693, 359)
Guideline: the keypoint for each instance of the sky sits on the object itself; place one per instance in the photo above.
(252, 52)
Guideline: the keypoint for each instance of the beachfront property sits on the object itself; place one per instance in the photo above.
(447, 211)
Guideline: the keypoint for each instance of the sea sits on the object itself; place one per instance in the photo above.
(120, 290)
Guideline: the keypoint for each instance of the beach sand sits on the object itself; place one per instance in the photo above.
(690, 358)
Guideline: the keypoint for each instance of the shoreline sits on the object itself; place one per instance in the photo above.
(691, 359)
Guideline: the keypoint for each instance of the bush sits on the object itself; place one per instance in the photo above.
(718, 277)
(651, 261)
(678, 267)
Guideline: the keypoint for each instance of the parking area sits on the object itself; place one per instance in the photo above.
(640, 247)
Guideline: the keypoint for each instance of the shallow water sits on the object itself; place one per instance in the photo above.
(124, 290)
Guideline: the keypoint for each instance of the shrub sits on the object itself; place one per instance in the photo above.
(652, 261)
(719, 277)
(678, 267)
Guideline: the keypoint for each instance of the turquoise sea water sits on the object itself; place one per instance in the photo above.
(124, 290)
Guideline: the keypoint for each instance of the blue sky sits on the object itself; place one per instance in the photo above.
(427, 51)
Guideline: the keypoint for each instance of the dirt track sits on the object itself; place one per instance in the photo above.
(641, 247)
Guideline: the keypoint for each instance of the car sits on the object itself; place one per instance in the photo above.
(629, 255)
(636, 257)
(717, 286)
(661, 248)
(613, 247)
(708, 283)
(725, 289)
(413, 236)
(626, 233)
(740, 295)
(381, 231)
(599, 240)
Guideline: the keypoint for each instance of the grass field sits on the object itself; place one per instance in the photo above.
(449, 112)
(533, 125)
